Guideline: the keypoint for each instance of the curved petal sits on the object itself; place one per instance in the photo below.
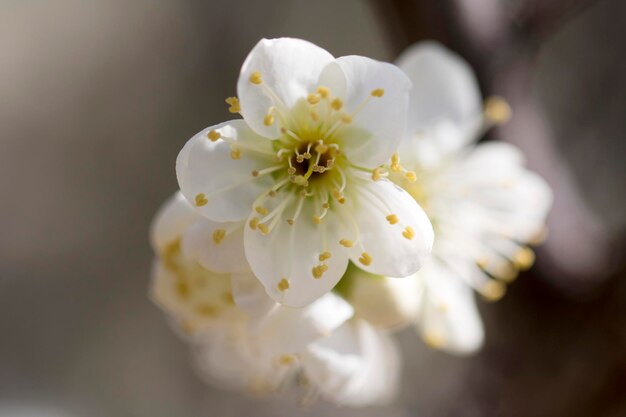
(450, 319)
(250, 295)
(377, 122)
(287, 330)
(284, 260)
(384, 302)
(172, 219)
(396, 249)
(216, 246)
(356, 366)
(444, 89)
(289, 70)
(223, 188)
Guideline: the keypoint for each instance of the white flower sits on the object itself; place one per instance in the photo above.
(484, 205)
(244, 340)
(303, 170)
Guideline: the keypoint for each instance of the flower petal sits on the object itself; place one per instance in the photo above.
(377, 122)
(250, 295)
(450, 320)
(174, 216)
(284, 259)
(444, 89)
(397, 248)
(216, 246)
(289, 70)
(223, 188)
(287, 330)
(356, 366)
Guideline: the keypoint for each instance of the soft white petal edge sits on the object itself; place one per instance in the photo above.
(171, 220)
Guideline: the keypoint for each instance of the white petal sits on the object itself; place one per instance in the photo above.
(378, 125)
(392, 253)
(444, 89)
(287, 330)
(218, 255)
(289, 253)
(205, 168)
(450, 320)
(174, 216)
(385, 302)
(290, 68)
(250, 295)
(357, 366)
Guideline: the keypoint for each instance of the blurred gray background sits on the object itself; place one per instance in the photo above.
(97, 98)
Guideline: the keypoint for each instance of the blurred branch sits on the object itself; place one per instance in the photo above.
(500, 40)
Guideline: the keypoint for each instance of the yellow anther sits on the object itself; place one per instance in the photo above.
(263, 229)
(213, 135)
(315, 116)
(434, 339)
(324, 256)
(182, 289)
(235, 107)
(395, 159)
(411, 176)
(235, 153)
(506, 273)
(313, 98)
(324, 92)
(261, 210)
(291, 170)
(255, 173)
(493, 290)
(408, 233)
(229, 298)
(482, 262)
(497, 110)
(319, 270)
(254, 222)
(392, 219)
(336, 104)
(317, 219)
(346, 243)
(268, 120)
(255, 78)
(346, 119)
(321, 148)
(291, 222)
(378, 92)
(377, 174)
(283, 284)
(219, 235)
(524, 259)
(206, 310)
(201, 200)
(272, 193)
(287, 360)
(365, 259)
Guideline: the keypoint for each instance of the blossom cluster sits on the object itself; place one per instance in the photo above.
(350, 201)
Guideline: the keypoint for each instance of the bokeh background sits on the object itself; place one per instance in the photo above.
(97, 98)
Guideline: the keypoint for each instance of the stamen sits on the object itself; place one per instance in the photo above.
(410, 176)
(201, 200)
(255, 78)
(524, 259)
(324, 92)
(298, 210)
(392, 219)
(324, 256)
(365, 259)
(319, 270)
(336, 104)
(218, 236)
(268, 120)
(497, 110)
(346, 243)
(265, 171)
(378, 92)
(493, 290)
(314, 98)
(283, 285)
(235, 106)
(235, 152)
(263, 229)
(261, 210)
(408, 233)
(254, 222)
(214, 135)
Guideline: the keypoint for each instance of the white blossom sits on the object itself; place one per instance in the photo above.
(302, 169)
(484, 205)
(244, 340)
